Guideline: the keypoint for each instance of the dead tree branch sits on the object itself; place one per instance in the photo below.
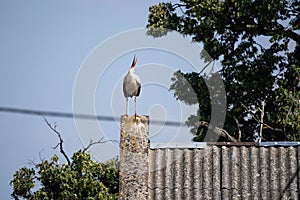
(60, 144)
(262, 113)
(206, 66)
(100, 141)
(287, 117)
(265, 126)
(250, 112)
(178, 5)
(238, 127)
(219, 131)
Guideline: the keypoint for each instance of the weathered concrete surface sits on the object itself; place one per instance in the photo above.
(134, 147)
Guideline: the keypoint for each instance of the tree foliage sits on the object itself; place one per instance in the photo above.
(79, 178)
(83, 178)
(257, 43)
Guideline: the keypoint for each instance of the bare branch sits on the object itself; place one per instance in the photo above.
(238, 127)
(287, 116)
(100, 141)
(40, 155)
(177, 5)
(265, 126)
(250, 112)
(206, 66)
(31, 163)
(262, 113)
(219, 131)
(56, 146)
(60, 144)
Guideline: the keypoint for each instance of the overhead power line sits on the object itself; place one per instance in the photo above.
(81, 116)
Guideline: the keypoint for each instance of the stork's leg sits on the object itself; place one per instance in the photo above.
(126, 106)
(135, 107)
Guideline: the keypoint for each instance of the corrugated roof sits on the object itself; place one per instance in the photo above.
(224, 172)
(178, 145)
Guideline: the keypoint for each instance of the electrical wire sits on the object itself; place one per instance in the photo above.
(80, 116)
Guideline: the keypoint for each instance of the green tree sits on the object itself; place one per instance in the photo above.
(79, 178)
(83, 178)
(257, 43)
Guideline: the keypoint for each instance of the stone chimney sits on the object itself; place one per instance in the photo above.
(134, 147)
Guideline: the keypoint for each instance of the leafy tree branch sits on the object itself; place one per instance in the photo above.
(79, 178)
(258, 46)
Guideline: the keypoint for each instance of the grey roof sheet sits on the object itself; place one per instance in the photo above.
(224, 172)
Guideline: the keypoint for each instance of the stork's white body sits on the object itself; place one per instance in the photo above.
(131, 85)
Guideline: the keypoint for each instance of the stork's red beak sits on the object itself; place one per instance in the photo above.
(134, 61)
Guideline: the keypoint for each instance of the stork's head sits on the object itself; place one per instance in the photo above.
(134, 62)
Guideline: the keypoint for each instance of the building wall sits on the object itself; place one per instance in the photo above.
(224, 172)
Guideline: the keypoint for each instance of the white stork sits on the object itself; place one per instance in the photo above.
(131, 85)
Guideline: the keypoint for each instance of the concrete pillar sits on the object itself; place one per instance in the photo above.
(134, 147)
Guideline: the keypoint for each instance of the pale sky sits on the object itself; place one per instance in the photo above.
(45, 48)
(71, 56)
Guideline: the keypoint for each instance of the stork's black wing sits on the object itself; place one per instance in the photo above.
(139, 88)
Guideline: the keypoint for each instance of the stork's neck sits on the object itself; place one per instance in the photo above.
(131, 70)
